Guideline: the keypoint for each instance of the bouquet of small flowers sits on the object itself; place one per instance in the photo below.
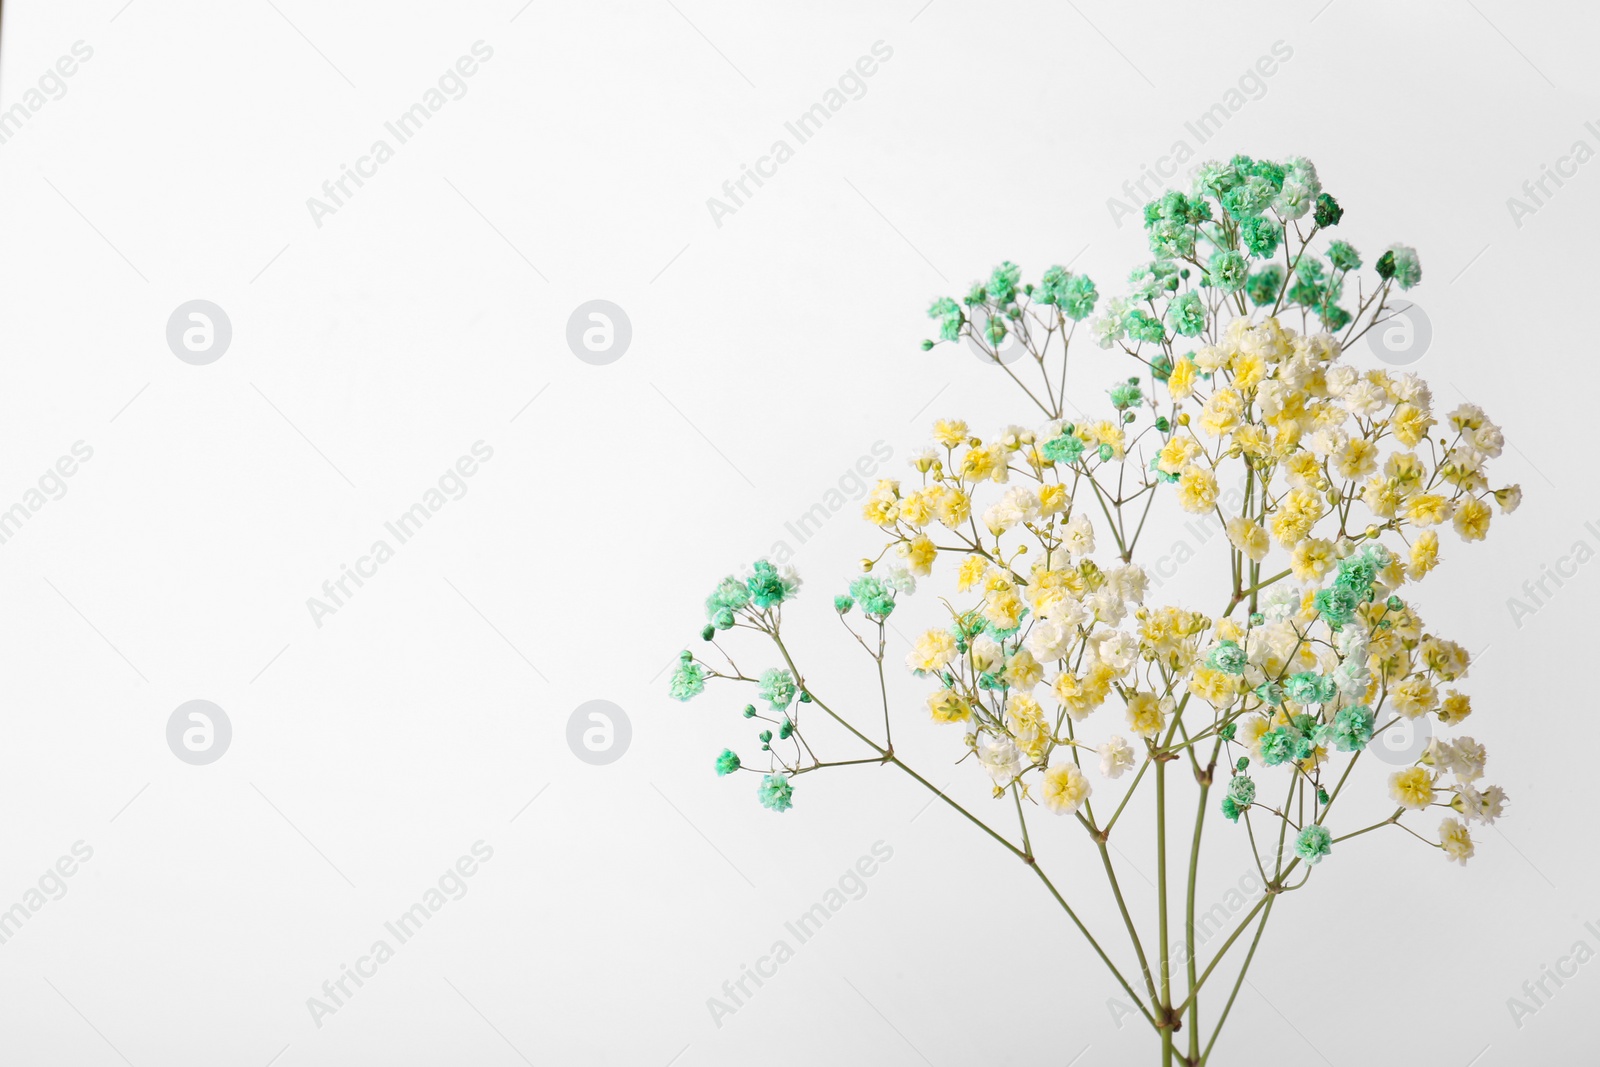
(1054, 670)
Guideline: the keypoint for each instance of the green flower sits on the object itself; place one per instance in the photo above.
(875, 596)
(1242, 789)
(1264, 285)
(1327, 212)
(1003, 283)
(777, 688)
(1278, 745)
(1187, 314)
(1313, 843)
(775, 792)
(727, 763)
(1270, 693)
(1142, 326)
(1228, 658)
(688, 679)
(1229, 270)
(1309, 687)
(842, 604)
(1352, 728)
(1343, 256)
(729, 596)
(1400, 262)
(768, 587)
(1337, 605)
(1260, 236)
(1126, 394)
(1074, 294)
(1064, 449)
(1230, 808)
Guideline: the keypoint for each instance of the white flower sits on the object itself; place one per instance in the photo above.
(1469, 761)
(999, 757)
(903, 580)
(1413, 390)
(987, 655)
(1115, 648)
(1365, 398)
(1107, 607)
(1050, 639)
(1341, 378)
(1485, 807)
(1078, 536)
(1116, 756)
(1129, 582)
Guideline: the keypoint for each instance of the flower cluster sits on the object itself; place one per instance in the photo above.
(1051, 661)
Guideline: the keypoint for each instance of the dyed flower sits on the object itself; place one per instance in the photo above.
(775, 792)
(1065, 788)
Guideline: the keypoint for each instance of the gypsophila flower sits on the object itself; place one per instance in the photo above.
(688, 679)
(775, 792)
(1313, 843)
(777, 688)
(1055, 633)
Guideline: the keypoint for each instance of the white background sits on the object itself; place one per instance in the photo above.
(769, 353)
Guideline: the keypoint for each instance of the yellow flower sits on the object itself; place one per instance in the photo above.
(1214, 687)
(1413, 697)
(883, 503)
(1427, 509)
(1065, 788)
(1297, 512)
(917, 508)
(950, 432)
(948, 706)
(1180, 383)
(1472, 519)
(1456, 840)
(1252, 440)
(1176, 453)
(1145, 716)
(1410, 425)
(978, 463)
(1053, 499)
(1304, 471)
(1248, 370)
(1412, 788)
(1081, 694)
(972, 572)
(1454, 708)
(954, 507)
(1025, 720)
(933, 651)
(1197, 489)
(1382, 497)
(1222, 413)
(1312, 559)
(1357, 459)
(919, 554)
(1106, 432)
(1248, 537)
